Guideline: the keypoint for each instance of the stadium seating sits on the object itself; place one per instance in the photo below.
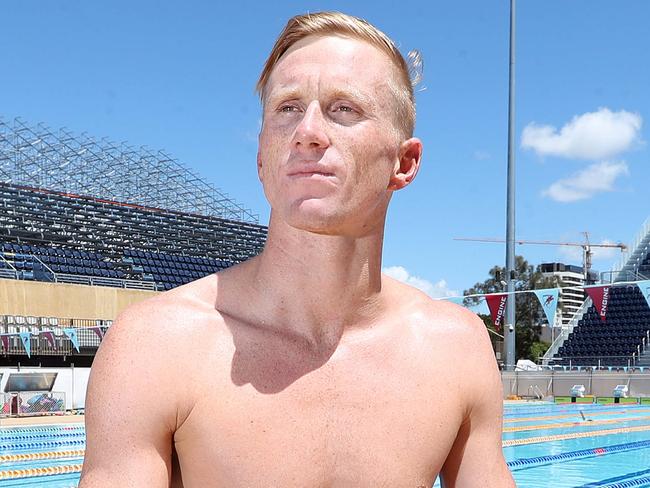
(613, 341)
(51, 236)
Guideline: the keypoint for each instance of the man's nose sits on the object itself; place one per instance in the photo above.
(310, 132)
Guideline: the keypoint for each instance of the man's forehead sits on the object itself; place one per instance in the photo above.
(331, 71)
(347, 58)
(299, 81)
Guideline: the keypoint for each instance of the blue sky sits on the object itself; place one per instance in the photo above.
(179, 76)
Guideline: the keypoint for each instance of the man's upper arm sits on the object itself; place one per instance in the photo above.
(476, 458)
(128, 418)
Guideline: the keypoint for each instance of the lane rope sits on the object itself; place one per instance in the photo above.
(583, 453)
(570, 415)
(35, 472)
(33, 456)
(575, 424)
(573, 435)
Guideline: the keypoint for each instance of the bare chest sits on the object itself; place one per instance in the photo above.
(338, 425)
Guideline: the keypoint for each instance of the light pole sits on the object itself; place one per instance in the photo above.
(509, 329)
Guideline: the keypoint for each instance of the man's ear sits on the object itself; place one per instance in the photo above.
(259, 165)
(407, 164)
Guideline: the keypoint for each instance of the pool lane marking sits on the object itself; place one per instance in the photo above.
(32, 456)
(574, 424)
(573, 435)
(641, 482)
(620, 481)
(572, 407)
(527, 463)
(11, 474)
(570, 415)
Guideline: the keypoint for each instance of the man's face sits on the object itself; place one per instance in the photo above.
(329, 143)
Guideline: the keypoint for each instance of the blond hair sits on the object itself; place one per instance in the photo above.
(337, 23)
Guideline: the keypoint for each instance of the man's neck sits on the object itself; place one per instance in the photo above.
(317, 287)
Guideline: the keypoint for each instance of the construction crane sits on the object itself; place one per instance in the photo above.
(586, 246)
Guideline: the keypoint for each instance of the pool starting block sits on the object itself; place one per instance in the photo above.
(577, 391)
(620, 392)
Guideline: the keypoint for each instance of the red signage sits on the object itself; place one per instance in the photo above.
(49, 337)
(497, 305)
(98, 331)
(600, 296)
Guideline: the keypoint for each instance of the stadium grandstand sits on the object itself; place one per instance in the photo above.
(622, 339)
(88, 227)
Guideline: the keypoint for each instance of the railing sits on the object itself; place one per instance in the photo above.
(535, 392)
(39, 346)
(11, 273)
(555, 345)
(640, 237)
(96, 281)
(591, 362)
(88, 340)
(611, 277)
(644, 344)
(559, 340)
(8, 273)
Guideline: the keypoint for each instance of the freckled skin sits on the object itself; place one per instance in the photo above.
(304, 366)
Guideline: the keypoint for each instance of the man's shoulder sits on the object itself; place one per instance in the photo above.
(173, 315)
(151, 346)
(440, 316)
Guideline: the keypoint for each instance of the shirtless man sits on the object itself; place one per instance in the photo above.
(305, 367)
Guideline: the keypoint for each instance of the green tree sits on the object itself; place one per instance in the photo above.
(529, 314)
(538, 349)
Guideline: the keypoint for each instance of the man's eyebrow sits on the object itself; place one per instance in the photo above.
(347, 92)
(283, 93)
(352, 93)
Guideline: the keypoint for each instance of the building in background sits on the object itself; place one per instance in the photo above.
(570, 298)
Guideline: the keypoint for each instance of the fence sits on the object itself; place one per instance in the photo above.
(31, 403)
(598, 362)
(543, 384)
(40, 346)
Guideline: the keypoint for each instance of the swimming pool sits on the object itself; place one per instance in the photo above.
(48, 456)
(545, 445)
(552, 445)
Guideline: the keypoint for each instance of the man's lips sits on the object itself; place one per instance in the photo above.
(307, 174)
(305, 171)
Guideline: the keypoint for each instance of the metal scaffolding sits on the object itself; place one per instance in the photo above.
(38, 157)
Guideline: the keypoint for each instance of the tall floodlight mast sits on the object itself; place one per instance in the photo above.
(509, 328)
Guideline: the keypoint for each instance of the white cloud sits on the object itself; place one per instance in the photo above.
(574, 254)
(481, 155)
(584, 184)
(593, 135)
(434, 290)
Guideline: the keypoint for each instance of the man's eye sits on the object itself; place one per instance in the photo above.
(344, 108)
(288, 108)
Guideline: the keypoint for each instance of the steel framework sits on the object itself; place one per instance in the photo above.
(38, 157)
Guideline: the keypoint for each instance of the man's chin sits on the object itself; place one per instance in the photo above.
(320, 217)
(315, 223)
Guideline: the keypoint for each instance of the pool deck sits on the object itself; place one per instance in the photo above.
(41, 420)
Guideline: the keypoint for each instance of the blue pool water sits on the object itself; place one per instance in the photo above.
(611, 448)
(41, 448)
(545, 445)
